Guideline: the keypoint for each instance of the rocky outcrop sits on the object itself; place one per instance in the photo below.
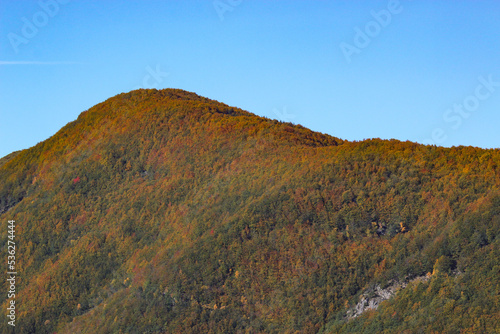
(372, 298)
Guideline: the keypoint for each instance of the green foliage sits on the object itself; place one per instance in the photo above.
(163, 211)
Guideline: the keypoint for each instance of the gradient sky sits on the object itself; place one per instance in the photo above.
(425, 71)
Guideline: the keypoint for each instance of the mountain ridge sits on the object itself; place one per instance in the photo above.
(163, 211)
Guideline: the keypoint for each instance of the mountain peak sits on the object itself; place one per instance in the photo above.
(164, 211)
(168, 108)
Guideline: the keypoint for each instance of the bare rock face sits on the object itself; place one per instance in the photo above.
(372, 298)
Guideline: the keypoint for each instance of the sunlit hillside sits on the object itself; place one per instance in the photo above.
(160, 211)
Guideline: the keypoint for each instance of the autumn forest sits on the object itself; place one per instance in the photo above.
(160, 211)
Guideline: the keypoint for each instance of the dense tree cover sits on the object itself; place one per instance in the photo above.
(162, 211)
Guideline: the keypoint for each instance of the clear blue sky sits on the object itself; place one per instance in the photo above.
(425, 71)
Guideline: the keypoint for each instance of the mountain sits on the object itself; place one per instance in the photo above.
(160, 211)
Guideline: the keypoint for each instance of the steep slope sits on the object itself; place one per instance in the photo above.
(163, 211)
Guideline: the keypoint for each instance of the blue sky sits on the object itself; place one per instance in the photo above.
(425, 71)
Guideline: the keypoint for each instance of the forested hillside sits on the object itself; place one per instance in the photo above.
(160, 211)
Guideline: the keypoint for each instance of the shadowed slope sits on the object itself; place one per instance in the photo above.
(163, 211)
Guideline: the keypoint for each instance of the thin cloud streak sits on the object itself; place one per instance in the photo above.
(22, 62)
